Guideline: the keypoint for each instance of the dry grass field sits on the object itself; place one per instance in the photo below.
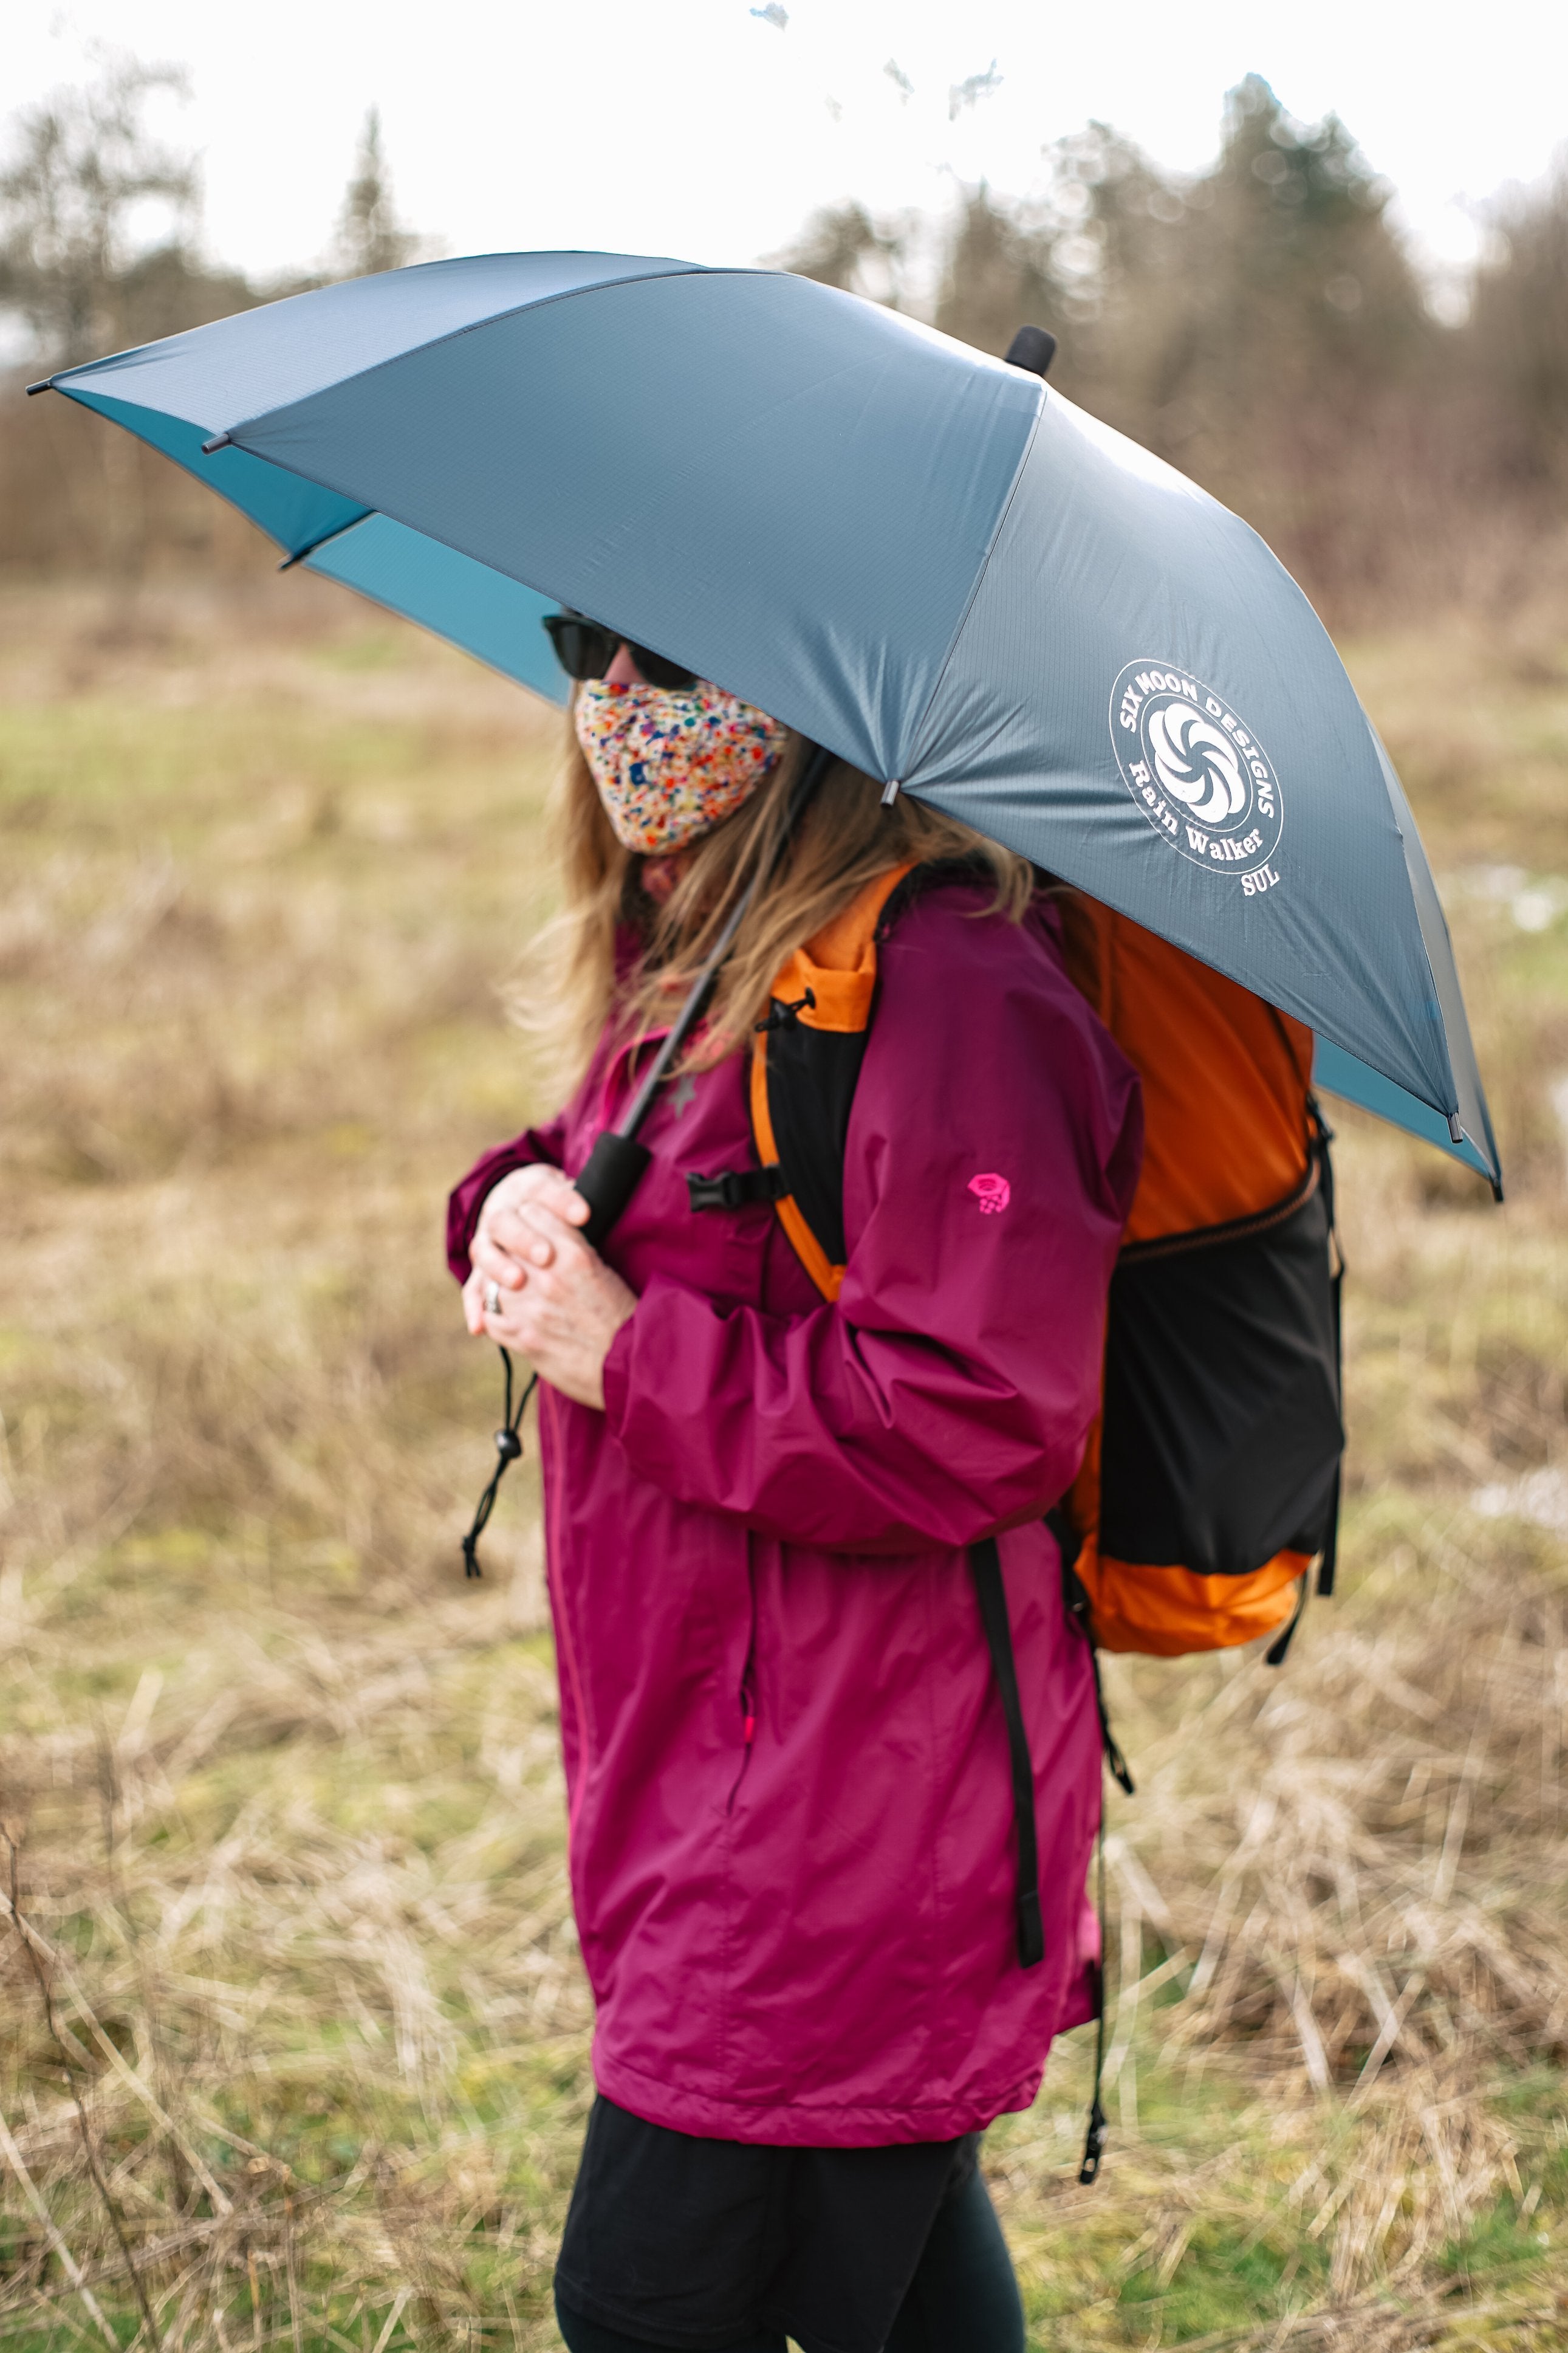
(293, 2040)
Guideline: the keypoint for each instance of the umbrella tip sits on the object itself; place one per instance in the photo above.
(1033, 348)
(42, 385)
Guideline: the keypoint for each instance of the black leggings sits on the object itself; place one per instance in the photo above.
(962, 2298)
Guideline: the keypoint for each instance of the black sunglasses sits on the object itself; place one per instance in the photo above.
(585, 649)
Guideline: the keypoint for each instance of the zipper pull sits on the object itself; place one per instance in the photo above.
(748, 1733)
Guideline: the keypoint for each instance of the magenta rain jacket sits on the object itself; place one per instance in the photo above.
(792, 1843)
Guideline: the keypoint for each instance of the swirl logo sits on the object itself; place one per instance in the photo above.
(1200, 776)
(1195, 764)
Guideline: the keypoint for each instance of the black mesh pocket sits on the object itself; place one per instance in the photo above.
(1221, 1438)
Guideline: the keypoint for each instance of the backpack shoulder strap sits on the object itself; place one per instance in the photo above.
(806, 1062)
(991, 1594)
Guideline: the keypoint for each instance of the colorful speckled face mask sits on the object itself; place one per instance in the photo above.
(673, 763)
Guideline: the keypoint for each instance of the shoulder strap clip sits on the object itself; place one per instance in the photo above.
(737, 1189)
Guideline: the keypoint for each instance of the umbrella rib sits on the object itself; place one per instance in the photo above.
(321, 538)
(984, 567)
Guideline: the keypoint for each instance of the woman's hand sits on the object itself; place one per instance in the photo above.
(497, 1253)
(561, 1305)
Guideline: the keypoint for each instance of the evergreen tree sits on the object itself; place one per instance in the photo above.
(1303, 281)
(370, 237)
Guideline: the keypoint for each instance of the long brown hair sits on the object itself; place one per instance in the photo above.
(845, 838)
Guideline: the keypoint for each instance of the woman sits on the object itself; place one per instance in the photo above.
(790, 1821)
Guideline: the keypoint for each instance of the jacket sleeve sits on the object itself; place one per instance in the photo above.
(994, 1147)
(467, 1197)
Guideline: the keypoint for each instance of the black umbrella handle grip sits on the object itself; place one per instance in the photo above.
(613, 1172)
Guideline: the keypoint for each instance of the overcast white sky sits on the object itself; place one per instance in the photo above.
(699, 128)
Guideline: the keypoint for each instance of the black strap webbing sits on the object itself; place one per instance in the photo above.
(1323, 1136)
(1331, 1543)
(1274, 1656)
(1094, 2141)
(1075, 1595)
(1332, 1540)
(985, 1568)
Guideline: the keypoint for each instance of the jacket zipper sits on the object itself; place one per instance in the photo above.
(748, 1689)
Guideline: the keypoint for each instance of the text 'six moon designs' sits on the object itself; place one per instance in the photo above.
(1201, 777)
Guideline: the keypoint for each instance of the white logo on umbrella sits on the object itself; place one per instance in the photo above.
(1195, 764)
(1196, 773)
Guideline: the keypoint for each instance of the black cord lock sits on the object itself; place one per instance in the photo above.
(508, 1449)
(780, 1016)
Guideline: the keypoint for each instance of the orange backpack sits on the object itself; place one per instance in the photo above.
(1211, 1478)
(1223, 1314)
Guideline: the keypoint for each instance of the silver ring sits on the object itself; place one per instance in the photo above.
(492, 1299)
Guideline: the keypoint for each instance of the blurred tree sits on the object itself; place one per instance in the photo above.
(1257, 323)
(1195, 305)
(844, 245)
(370, 237)
(1303, 272)
(99, 251)
(1095, 256)
(84, 172)
(998, 272)
(98, 222)
(1516, 336)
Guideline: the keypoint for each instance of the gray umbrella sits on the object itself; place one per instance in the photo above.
(922, 558)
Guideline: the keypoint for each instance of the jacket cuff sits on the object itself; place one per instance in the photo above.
(468, 1199)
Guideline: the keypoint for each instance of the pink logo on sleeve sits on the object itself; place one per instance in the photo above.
(993, 1193)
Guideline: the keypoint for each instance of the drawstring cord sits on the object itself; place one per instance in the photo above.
(508, 1446)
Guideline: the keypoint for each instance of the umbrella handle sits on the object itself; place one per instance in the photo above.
(614, 1170)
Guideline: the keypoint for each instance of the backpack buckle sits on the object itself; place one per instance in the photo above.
(736, 1189)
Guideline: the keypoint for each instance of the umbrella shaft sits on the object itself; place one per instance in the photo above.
(614, 1168)
(702, 987)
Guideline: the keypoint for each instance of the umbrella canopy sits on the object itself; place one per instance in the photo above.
(919, 557)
